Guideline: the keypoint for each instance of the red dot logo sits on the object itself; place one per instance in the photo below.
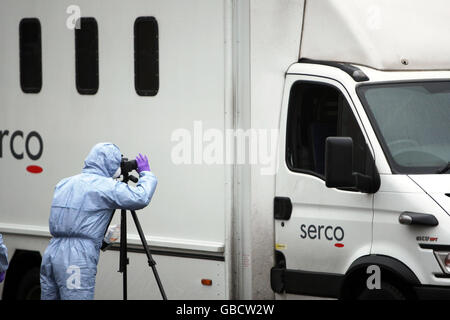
(34, 169)
(339, 245)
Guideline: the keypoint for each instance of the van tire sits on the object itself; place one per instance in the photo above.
(29, 287)
(388, 291)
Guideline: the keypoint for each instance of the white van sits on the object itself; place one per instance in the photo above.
(356, 91)
(363, 185)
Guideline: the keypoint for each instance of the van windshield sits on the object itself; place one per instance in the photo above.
(412, 122)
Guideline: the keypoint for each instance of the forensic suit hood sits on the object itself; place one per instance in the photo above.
(103, 159)
(81, 210)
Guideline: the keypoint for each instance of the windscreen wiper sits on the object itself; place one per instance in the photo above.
(444, 169)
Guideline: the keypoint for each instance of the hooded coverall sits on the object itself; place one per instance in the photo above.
(3, 258)
(80, 212)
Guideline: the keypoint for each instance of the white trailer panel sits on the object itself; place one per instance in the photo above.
(382, 34)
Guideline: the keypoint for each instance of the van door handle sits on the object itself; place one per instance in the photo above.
(282, 208)
(415, 218)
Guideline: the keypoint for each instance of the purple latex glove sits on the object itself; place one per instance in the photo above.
(142, 163)
(2, 276)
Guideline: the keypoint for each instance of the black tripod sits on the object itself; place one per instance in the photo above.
(123, 261)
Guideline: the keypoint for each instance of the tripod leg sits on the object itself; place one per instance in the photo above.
(151, 262)
(123, 251)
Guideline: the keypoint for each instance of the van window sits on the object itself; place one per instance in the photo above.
(86, 56)
(411, 120)
(317, 111)
(146, 56)
(30, 55)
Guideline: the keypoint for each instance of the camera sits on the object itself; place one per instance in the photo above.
(127, 166)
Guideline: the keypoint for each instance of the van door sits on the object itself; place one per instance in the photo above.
(320, 231)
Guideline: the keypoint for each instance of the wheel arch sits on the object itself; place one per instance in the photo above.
(21, 262)
(391, 268)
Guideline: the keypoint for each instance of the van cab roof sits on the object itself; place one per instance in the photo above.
(341, 71)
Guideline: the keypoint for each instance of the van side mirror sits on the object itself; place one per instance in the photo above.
(339, 162)
(339, 167)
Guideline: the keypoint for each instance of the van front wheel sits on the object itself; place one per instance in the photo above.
(387, 291)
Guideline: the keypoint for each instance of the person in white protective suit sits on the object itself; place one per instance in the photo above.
(3, 259)
(80, 213)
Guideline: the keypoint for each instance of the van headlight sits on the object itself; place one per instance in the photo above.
(444, 260)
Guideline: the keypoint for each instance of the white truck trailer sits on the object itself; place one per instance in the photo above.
(357, 93)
